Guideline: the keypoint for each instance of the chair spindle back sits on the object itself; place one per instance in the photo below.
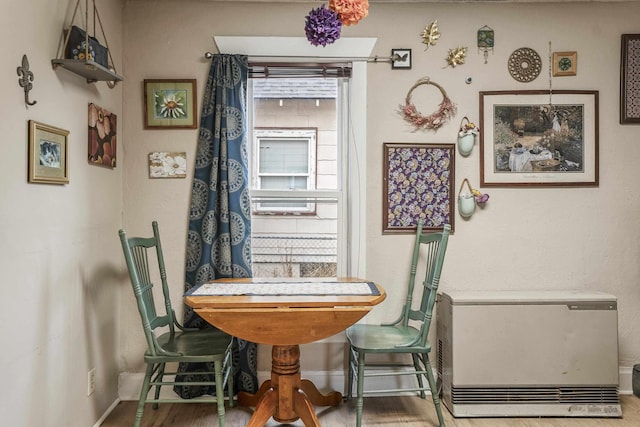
(137, 256)
(428, 253)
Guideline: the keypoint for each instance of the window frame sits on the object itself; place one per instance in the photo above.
(352, 250)
(261, 134)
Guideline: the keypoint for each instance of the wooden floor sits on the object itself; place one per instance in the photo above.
(378, 411)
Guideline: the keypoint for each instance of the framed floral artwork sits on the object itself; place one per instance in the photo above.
(170, 104)
(48, 154)
(418, 183)
(534, 138)
(164, 164)
(102, 139)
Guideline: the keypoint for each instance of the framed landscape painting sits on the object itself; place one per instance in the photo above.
(537, 138)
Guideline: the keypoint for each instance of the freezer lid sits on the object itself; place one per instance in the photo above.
(492, 297)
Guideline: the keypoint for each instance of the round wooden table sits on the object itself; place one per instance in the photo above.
(285, 322)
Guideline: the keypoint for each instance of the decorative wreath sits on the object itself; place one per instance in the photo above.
(435, 120)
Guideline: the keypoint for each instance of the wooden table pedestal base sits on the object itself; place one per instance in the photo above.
(286, 397)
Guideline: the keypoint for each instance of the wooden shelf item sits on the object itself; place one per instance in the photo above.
(87, 68)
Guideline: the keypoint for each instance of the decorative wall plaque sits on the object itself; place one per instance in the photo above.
(524, 65)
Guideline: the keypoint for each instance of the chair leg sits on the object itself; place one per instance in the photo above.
(230, 381)
(418, 368)
(360, 391)
(350, 374)
(217, 367)
(143, 394)
(434, 390)
(158, 379)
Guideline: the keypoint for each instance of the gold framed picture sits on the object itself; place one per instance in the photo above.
(170, 104)
(565, 64)
(48, 154)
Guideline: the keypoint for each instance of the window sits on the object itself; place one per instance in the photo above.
(296, 176)
(285, 159)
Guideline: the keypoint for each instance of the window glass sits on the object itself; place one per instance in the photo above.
(295, 176)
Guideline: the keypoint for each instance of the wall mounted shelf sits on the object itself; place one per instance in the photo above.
(82, 63)
(88, 69)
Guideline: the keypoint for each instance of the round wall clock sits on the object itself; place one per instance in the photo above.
(524, 64)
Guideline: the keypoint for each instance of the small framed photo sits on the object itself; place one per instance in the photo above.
(48, 154)
(164, 164)
(170, 104)
(565, 64)
(401, 59)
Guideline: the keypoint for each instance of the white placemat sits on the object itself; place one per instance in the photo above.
(285, 288)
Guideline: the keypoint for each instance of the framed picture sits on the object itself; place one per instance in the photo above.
(565, 64)
(167, 165)
(418, 183)
(534, 138)
(401, 59)
(630, 79)
(48, 154)
(170, 104)
(102, 136)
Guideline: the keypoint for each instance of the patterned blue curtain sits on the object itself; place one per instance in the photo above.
(219, 238)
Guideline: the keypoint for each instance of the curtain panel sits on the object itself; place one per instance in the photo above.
(219, 235)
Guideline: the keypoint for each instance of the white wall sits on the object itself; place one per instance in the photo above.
(66, 305)
(526, 238)
(60, 257)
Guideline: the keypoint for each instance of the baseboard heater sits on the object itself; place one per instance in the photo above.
(524, 354)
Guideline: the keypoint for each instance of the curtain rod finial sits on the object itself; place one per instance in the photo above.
(208, 55)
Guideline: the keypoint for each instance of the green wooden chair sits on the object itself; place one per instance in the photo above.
(164, 343)
(408, 334)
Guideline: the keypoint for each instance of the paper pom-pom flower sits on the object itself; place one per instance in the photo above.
(350, 11)
(322, 26)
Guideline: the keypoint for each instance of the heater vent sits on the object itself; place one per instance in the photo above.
(528, 353)
(509, 395)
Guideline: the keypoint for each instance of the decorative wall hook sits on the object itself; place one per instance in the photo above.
(26, 77)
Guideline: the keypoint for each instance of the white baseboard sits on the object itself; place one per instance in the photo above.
(129, 383)
(626, 380)
(106, 413)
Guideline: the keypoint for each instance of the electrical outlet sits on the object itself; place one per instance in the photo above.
(91, 381)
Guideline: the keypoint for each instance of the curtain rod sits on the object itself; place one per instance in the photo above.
(373, 59)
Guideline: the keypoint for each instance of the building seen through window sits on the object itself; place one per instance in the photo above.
(295, 151)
